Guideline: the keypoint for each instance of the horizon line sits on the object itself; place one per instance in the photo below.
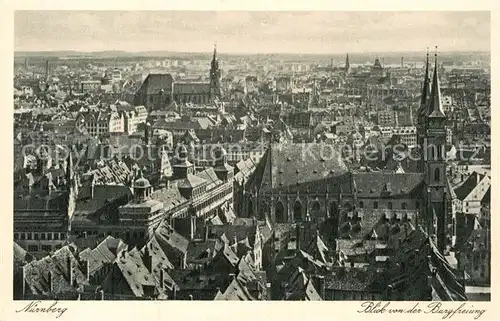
(245, 53)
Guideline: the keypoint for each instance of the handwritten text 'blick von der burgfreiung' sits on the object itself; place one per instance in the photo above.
(447, 310)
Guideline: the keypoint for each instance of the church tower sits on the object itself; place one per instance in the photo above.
(215, 76)
(435, 164)
(422, 110)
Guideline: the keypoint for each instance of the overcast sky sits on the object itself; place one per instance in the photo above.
(251, 32)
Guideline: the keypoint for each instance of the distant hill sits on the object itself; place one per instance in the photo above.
(386, 57)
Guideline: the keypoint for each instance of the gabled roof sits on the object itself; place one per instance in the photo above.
(236, 291)
(156, 82)
(468, 185)
(167, 236)
(191, 181)
(414, 264)
(51, 274)
(292, 164)
(134, 272)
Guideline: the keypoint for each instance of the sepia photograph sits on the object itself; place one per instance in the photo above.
(252, 156)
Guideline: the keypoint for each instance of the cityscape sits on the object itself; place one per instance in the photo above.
(195, 171)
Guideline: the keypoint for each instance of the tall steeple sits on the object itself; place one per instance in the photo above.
(434, 169)
(214, 75)
(435, 109)
(426, 89)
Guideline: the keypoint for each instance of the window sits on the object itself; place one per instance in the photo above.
(375, 205)
(49, 236)
(46, 248)
(16, 236)
(56, 236)
(403, 206)
(32, 248)
(42, 236)
(29, 236)
(361, 204)
(23, 236)
(436, 174)
(389, 205)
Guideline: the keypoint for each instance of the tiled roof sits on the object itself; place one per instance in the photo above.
(191, 88)
(235, 232)
(377, 184)
(20, 254)
(160, 264)
(235, 292)
(292, 164)
(104, 252)
(167, 236)
(51, 274)
(191, 181)
(385, 224)
(134, 272)
(300, 288)
(413, 265)
(468, 185)
(201, 252)
(354, 279)
(170, 197)
(156, 82)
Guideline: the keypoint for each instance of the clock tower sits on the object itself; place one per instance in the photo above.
(434, 169)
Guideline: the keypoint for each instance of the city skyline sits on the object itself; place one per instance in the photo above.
(251, 32)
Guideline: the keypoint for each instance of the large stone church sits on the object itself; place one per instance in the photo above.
(160, 91)
(310, 182)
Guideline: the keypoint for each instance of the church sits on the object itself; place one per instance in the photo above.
(160, 91)
(310, 182)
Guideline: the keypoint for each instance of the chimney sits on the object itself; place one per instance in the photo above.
(297, 237)
(102, 295)
(146, 134)
(402, 64)
(86, 269)
(24, 280)
(207, 229)
(85, 235)
(193, 227)
(231, 277)
(92, 188)
(71, 271)
(191, 297)
(162, 279)
(147, 259)
(268, 291)
(320, 285)
(50, 281)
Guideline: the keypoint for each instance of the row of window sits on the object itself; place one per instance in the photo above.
(404, 206)
(39, 236)
(42, 248)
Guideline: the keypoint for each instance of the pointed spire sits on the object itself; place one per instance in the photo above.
(425, 89)
(215, 50)
(435, 106)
